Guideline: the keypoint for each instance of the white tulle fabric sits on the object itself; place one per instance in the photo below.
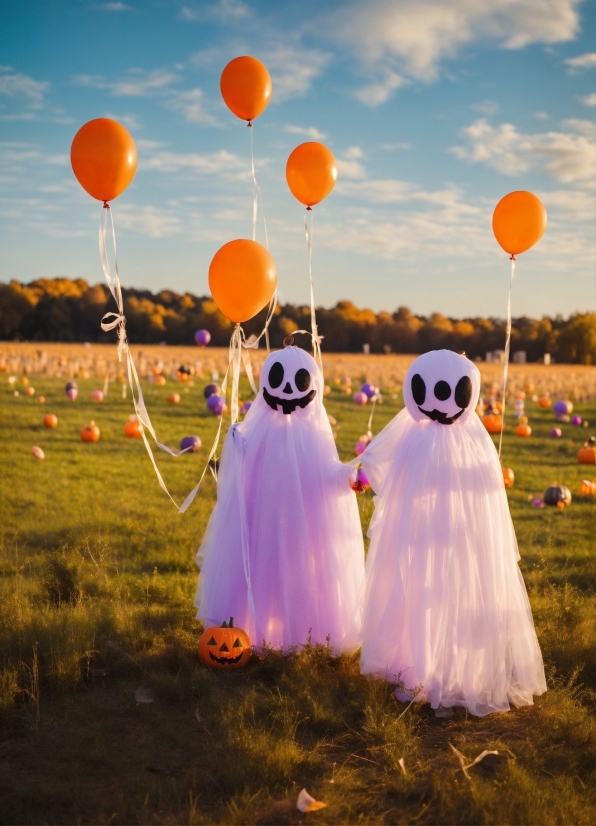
(283, 551)
(446, 608)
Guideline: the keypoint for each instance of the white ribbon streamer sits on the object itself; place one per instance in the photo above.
(316, 338)
(507, 348)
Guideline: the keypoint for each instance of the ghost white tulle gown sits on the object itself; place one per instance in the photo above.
(283, 552)
(446, 608)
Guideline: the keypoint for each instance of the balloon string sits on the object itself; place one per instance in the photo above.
(111, 321)
(256, 195)
(370, 418)
(507, 348)
(316, 338)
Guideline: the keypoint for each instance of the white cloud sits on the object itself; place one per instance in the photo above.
(130, 121)
(377, 92)
(581, 62)
(215, 163)
(23, 87)
(191, 105)
(307, 131)
(567, 156)
(113, 7)
(487, 107)
(223, 10)
(541, 115)
(154, 222)
(588, 100)
(390, 147)
(412, 38)
(293, 70)
(58, 160)
(136, 83)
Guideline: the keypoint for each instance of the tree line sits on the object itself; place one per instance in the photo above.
(63, 309)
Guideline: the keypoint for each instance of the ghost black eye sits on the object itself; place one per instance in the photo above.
(302, 380)
(276, 374)
(442, 391)
(418, 389)
(463, 392)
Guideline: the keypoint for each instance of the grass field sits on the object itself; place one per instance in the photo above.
(97, 581)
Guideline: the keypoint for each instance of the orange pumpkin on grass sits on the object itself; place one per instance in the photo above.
(523, 430)
(493, 422)
(586, 455)
(508, 477)
(133, 428)
(224, 647)
(49, 420)
(90, 433)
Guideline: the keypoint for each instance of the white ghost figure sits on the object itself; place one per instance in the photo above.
(283, 552)
(446, 609)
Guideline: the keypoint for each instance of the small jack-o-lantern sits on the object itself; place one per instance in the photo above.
(442, 386)
(586, 455)
(224, 647)
(287, 379)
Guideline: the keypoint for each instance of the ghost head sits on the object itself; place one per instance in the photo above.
(441, 386)
(289, 380)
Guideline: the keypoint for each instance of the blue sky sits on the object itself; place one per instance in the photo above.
(434, 110)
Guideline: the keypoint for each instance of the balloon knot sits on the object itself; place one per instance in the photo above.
(106, 205)
(512, 258)
(309, 209)
(249, 124)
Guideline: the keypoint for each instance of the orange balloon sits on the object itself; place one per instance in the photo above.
(242, 279)
(311, 172)
(103, 157)
(245, 87)
(519, 221)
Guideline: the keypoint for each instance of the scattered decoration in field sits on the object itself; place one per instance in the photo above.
(29, 391)
(41, 399)
(586, 455)
(202, 338)
(24, 381)
(362, 443)
(190, 444)
(557, 495)
(576, 421)
(37, 452)
(11, 381)
(587, 487)
(216, 404)
(97, 395)
(361, 483)
(369, 390)
(16, 394)
(144, 695)
(90, 433)
(173, 398)
(437, 450)
(211, 390)
(159, 381)
(306, 803)
(224, 647)
(493, 422)
(50, 420)
(72, 393)
(556, 433)
(537, 503)
(360, 398)
(133, 428)
(523, 430)
(508, 477)
(562, 408)
(245, 408)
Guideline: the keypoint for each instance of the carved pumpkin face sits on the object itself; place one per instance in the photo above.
(224, 648)
(288, 380)
(442, 386)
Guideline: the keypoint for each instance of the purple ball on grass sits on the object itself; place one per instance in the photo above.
(360, 397)
(556, 433)
(369, 390)
(190, 444)
(211, 390)
(576, 420)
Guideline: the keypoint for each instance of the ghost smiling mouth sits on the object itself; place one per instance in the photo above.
(439, 416)
(288, 405)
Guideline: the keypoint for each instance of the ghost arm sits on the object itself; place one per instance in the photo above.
(378, 455)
